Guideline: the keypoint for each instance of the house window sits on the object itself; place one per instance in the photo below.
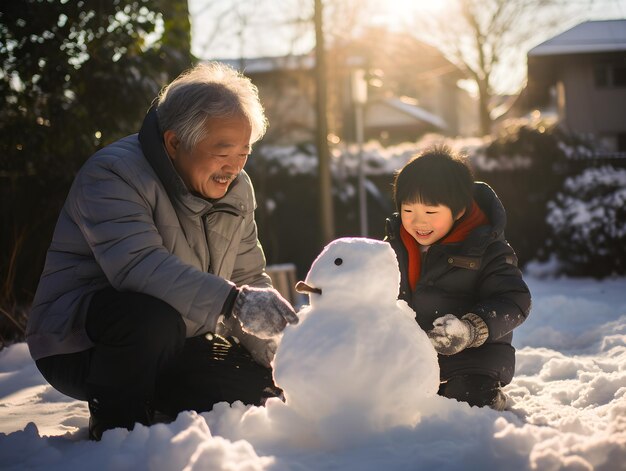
(609, 75)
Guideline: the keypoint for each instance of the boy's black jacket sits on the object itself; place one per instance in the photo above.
(478, 275)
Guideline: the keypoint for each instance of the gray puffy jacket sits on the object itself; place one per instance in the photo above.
(129, 222)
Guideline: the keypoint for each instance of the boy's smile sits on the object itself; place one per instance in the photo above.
(427, 223)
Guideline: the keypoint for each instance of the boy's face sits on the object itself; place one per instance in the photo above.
(427, 223)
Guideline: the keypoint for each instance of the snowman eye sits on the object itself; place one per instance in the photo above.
(338, 261)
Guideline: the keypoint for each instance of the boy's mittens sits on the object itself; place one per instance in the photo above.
(450, 335)
(263, 311)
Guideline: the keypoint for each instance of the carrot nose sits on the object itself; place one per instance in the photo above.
(302, 287)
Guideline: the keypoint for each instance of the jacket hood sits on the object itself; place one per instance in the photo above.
(481, 237)
(495, 212)
(151, 140)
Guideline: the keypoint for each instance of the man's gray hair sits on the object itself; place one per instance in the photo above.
(211, 90)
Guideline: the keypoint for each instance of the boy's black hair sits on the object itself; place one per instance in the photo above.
(437, 176)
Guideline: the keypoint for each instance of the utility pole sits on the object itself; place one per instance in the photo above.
(359, 99)
(325, 188)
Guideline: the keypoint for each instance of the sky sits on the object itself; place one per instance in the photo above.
(376, 407)
(268, 27)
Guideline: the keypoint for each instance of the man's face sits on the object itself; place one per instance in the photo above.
(427, 223)
(210, 167)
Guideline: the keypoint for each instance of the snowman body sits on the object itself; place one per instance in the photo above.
(357, 361)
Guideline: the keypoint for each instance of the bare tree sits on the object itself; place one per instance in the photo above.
(483, 37)
(249, 28)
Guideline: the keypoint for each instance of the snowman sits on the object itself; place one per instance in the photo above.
(357, 362)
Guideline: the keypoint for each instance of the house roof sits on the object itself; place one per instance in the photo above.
(270, 64)
(407, 108)
(587, 37)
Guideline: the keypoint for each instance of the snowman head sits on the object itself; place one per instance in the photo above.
(353, 269)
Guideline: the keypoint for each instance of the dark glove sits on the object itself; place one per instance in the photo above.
(263, 311)
(450, 335)
(262, 350)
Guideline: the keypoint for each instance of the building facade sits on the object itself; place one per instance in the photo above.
(581, 73)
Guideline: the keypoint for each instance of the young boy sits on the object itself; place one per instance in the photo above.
(459, 274)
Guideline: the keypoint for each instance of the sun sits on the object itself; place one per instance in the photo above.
(399, 13)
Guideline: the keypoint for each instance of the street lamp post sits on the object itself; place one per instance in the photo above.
(326, 195)
(359, 97)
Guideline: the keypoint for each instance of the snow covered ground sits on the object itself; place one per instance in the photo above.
(567, 411)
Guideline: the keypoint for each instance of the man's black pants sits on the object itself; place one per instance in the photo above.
(141, 357)
(476, 390)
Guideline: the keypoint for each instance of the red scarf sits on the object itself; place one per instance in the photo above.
(460, 231)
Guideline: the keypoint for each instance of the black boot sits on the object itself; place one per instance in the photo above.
(107, 415)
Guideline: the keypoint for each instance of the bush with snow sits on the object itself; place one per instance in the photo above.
(527, 164)
(588, 219)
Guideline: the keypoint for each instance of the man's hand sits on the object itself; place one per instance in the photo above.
(263, 312)
(450, 335)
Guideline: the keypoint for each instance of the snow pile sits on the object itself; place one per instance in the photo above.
(575, 316)
(567, 407)
(185, 443)
(574, 409)
(377, 159)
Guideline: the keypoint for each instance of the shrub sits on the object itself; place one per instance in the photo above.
(526, 164)
(588, 221)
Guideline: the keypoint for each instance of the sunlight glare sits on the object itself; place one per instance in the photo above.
(397, 12)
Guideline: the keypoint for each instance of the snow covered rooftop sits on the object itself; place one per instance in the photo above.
(409, 107)
(270, 64)
(587, 37)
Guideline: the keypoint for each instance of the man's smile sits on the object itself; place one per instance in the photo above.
(223, 179)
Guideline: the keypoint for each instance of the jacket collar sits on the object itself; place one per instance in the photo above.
(151, 140)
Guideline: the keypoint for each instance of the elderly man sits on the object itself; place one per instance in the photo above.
(155, 254)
